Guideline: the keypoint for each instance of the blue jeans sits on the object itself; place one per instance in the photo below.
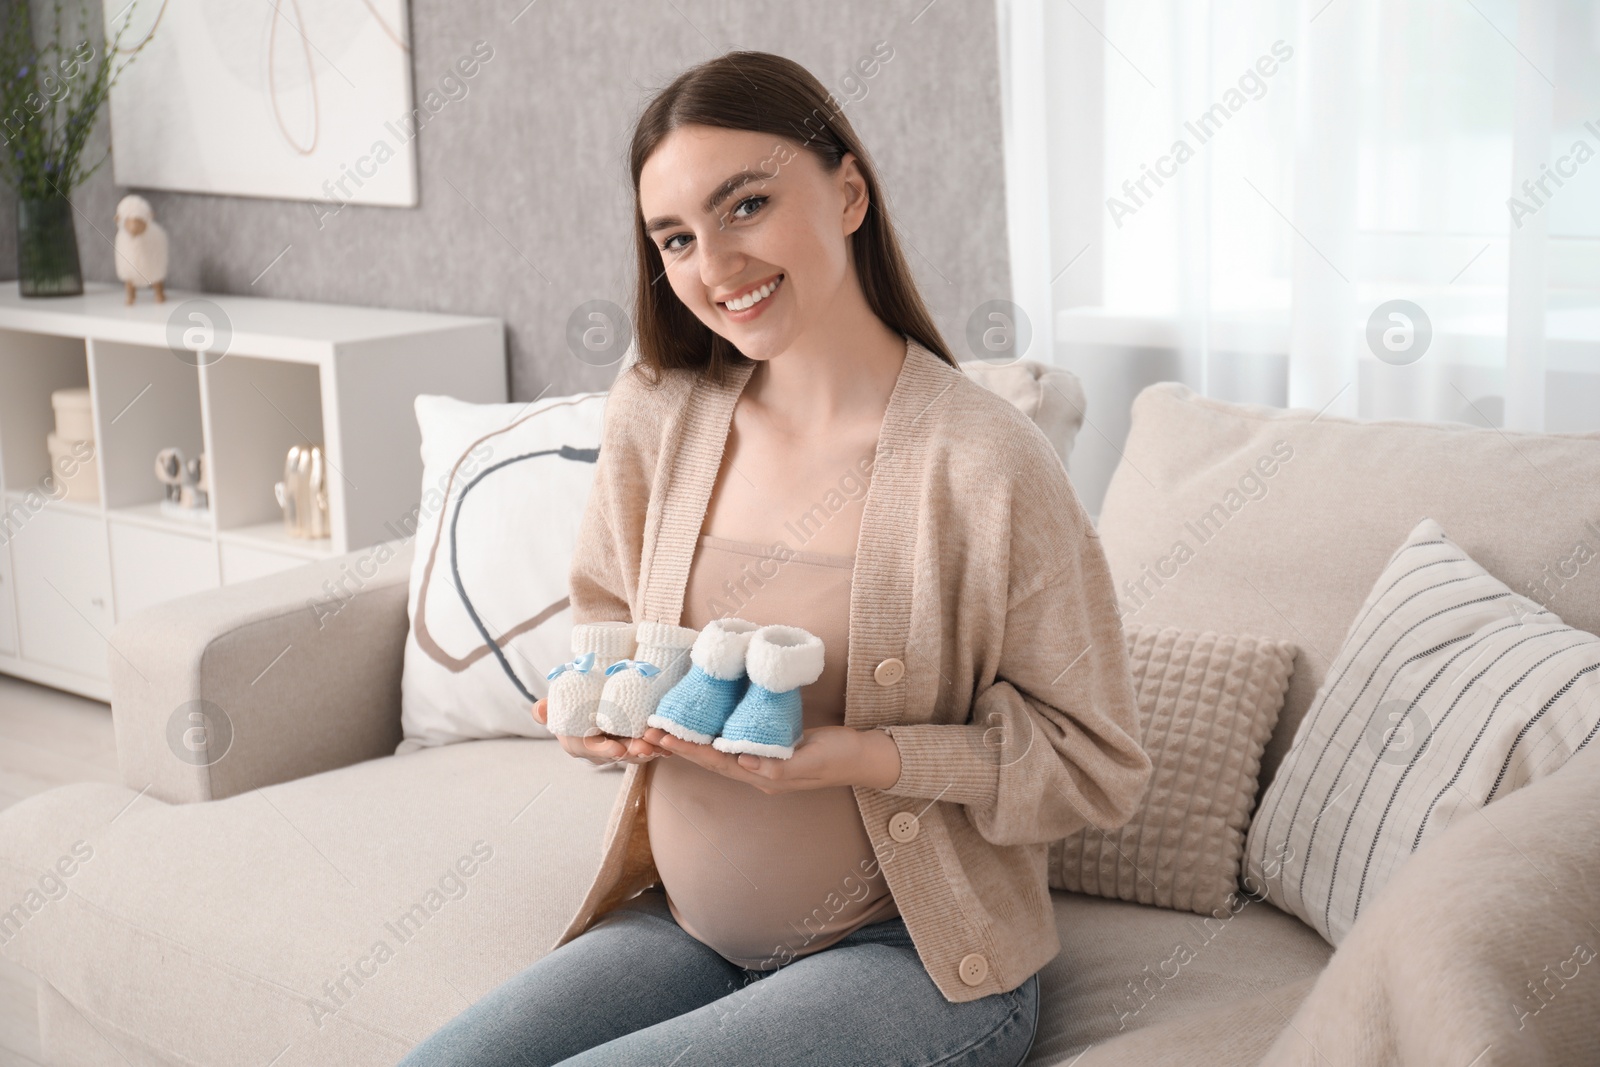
(637, 989)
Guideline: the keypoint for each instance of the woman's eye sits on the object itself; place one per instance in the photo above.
(755, 202)
(758, 201)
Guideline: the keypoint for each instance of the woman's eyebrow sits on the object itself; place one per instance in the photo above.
(728, 187)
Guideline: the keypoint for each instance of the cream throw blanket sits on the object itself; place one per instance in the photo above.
(1483, 950)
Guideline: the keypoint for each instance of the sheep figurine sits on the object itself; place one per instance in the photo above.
(141, 247)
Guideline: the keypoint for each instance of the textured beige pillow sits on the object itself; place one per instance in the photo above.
(1207, 704)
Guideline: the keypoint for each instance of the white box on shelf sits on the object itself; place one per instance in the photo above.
(74, 463)
(74, 413)
(290, 372)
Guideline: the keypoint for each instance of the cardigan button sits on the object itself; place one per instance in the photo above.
(974, 969)
(903, 826)
(889, 671)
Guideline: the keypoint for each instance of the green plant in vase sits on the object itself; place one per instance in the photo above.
(50, 95)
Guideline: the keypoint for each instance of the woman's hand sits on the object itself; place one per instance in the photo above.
(825, 757)
(603, 748)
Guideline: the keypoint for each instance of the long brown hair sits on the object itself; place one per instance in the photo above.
(764, 93)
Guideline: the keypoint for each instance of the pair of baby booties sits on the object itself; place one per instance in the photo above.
(733, 685)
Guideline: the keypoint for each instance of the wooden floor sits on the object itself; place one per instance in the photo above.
(47, 738)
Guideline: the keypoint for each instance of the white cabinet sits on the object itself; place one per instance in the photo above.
(151, 565)
(63, 579)
(292, 372)
(240, 563)
(8, 602)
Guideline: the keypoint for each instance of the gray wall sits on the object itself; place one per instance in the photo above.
(538, 147)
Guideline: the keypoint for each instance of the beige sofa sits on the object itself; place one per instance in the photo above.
(233, 914)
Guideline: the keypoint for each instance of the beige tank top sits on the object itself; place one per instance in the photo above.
(763, 878)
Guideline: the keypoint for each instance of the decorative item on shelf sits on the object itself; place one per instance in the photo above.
(303, 493)
(141, 247)
(47, 247)
(188, 485)
(50, 96)
(74, 413)
(71, 445)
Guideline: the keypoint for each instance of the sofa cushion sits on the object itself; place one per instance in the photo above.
(1235, 1034)
(1126, 967)
(349, 913)
(1207, 703)
(1243, 518)
(223, 932)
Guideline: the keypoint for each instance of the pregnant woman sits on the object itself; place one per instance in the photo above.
(796, 446)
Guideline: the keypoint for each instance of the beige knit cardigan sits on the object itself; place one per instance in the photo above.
(984, 638)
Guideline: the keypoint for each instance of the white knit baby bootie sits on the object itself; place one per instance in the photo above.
(634, 686)
(575, 686)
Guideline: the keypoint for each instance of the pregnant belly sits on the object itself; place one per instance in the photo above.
(761, 878)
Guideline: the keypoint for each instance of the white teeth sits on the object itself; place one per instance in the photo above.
(754, 297)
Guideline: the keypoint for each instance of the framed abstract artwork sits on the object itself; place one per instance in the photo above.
(289, 99)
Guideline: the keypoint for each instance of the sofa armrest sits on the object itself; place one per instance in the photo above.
(219, 692)
(1483, 939)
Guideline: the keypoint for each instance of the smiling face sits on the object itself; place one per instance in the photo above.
(752, 231)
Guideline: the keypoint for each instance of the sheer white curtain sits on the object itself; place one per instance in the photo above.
(1377, 208)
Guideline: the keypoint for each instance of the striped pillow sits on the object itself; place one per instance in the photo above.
(1450, 692)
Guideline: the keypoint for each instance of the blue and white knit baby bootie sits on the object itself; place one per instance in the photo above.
(701, 702)
(575, 686)
(634, 686)
(767, 720)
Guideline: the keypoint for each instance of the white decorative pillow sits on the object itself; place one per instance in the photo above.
(1207, 704)
(503, 490)
(1450, 691)
(1051, 396)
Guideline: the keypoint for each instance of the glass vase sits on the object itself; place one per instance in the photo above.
(47, 248)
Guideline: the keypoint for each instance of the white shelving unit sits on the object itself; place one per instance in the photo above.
(293, 372)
